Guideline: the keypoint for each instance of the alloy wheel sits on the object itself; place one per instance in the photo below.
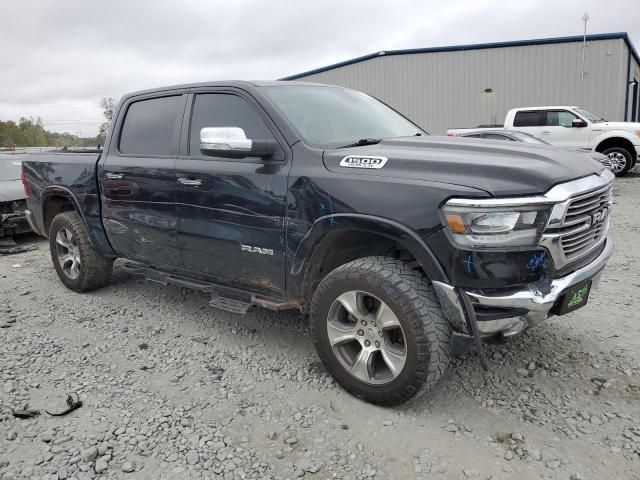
(618, 161)
(366, 337)
(68, 253)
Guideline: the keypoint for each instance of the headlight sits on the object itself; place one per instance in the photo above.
(496, 226)
(637, 132)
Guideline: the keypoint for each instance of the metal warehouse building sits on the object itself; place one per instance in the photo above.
(469, 85)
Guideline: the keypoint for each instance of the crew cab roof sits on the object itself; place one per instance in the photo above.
(548, 107)
(227, 83)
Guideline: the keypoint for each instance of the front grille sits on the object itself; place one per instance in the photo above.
(585, 222)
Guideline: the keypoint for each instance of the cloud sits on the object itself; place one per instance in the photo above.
(60, 58)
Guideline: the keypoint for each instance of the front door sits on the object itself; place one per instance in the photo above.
(231, 213)
(137, 180)
(559, 130)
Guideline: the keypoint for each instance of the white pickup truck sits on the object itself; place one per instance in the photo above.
(573, 127)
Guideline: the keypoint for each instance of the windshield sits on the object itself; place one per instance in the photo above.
(330, 117)
(590, 116)
(525, 137)
(9, 170)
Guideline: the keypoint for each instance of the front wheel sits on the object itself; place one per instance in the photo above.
(379, 329)
(621, 159)
(78, 265)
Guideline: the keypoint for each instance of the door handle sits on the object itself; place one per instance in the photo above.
(114, 176)
(190, 182)
(546, 132)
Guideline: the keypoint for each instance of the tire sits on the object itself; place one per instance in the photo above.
(413, 304)
(620, 155)
(78, 265)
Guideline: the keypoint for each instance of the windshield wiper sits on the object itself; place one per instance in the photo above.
(362, 142)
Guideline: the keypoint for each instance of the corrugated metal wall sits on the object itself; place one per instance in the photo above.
(633, 115)
(447, 89)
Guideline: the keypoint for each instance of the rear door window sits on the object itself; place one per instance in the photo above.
(528, 119)
(151, 127)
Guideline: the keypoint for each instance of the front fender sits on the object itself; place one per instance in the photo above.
(349, 222)
(615, 134)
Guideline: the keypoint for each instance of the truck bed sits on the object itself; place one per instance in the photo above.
(72, 174)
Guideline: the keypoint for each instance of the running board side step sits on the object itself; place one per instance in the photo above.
(225, 298)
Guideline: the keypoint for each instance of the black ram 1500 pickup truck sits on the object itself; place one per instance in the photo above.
(403, 249)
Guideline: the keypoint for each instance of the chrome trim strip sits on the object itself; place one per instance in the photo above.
(560, 193)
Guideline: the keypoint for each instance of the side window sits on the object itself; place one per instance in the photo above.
(528, 119)
(559, 118)
(151, 126)
(224, 110)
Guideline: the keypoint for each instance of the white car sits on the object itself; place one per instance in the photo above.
(515, 136)
(574, 127)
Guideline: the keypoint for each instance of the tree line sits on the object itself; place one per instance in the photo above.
(29, 132)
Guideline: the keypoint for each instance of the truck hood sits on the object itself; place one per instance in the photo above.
(627, 126)
(497, 167)
(11, 190)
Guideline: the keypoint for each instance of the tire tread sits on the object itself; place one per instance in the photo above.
(420, 307)
(95, 270)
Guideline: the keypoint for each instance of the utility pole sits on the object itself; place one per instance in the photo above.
(585, 18)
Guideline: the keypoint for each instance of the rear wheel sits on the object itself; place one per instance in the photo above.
(78, 265)
(378, 327)
(621, 159)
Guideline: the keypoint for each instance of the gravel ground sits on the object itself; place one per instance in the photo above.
(174, 389)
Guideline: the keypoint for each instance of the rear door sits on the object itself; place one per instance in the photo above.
(137, 179)
(231, 213)
(559, 130)
(529, 121)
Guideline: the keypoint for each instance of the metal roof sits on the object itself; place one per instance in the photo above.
(476, 46)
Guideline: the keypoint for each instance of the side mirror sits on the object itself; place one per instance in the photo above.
(578, 123)
(231, 142)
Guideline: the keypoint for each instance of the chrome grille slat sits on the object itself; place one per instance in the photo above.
(585, 203)
(603, 192)
(574, 239)
(586, 209)
(578, 246)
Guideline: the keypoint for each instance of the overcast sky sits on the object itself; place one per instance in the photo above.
(59, 58)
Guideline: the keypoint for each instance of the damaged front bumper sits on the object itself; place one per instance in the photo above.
(508, 312)
(13, 223)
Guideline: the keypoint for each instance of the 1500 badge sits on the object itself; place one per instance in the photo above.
(355, 161)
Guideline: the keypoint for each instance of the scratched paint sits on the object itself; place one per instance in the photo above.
(468, 263)
(538, 260)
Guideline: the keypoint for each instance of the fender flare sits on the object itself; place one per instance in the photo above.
(344, 222)
(60, 191)
(613, 134)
